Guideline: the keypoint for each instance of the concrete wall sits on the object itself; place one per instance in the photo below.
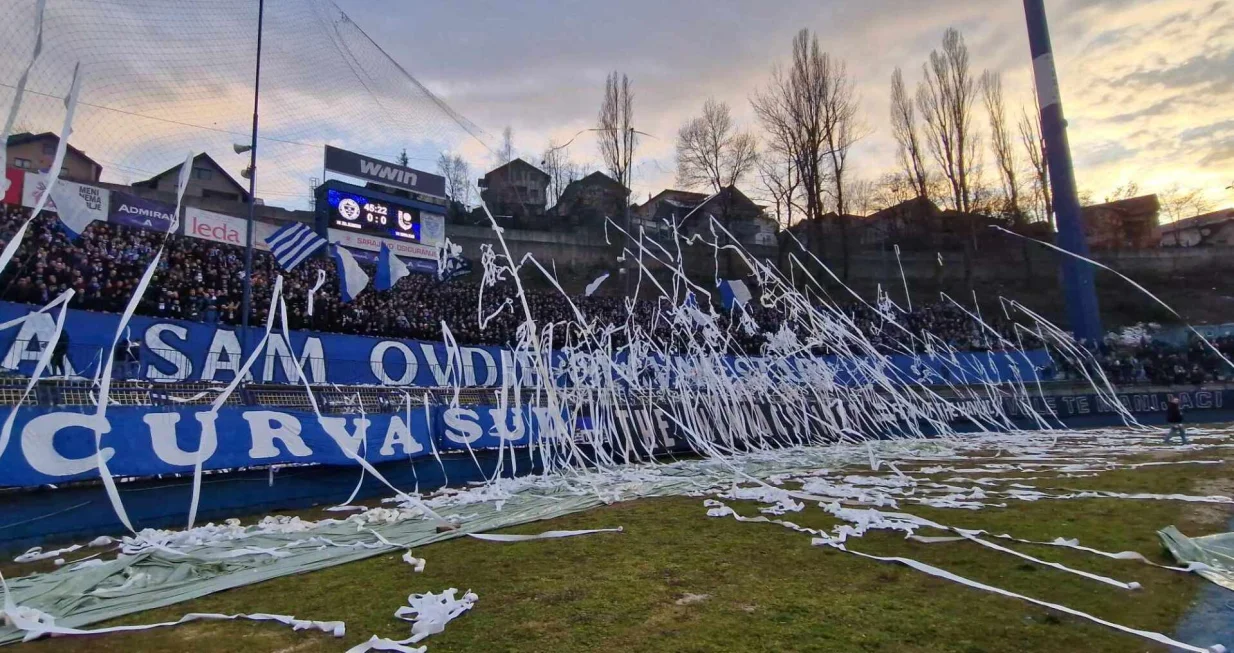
(572, 252)
(1039, 262)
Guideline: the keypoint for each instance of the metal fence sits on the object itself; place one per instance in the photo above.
(330, 399)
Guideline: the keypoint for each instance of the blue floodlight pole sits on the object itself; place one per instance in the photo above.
(1079, 289)
(251, 227)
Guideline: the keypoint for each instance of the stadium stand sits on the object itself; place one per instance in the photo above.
(203, 281)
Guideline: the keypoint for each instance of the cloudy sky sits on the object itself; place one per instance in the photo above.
(1148, 85)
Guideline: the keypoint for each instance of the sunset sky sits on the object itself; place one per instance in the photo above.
(1148, 85)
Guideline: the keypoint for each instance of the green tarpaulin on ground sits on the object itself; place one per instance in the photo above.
(1216, 552)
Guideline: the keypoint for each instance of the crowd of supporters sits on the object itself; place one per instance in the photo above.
(1155, 362)
(203, 280)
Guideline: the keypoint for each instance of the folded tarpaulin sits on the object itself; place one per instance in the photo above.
(1211, 556)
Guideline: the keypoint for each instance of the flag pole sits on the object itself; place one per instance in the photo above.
(1079, 288)
(251, 227)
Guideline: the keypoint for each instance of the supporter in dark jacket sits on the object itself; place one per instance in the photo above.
(1174, 416)
(60, 356)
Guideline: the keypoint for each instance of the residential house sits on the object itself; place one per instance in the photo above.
(516, 189)
(209, 180)
(35, 153)
(1123, 224)
(590, 200)
(896, 224)
(1208, 230)
(692, 213)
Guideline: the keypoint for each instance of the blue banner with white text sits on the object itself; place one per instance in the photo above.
(56, 445)
(169, 350)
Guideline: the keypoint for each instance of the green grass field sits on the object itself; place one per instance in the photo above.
(676, 580)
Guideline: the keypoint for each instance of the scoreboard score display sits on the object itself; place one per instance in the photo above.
(357, 213)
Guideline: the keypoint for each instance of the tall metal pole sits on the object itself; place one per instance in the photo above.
(248, 244)
(1079, 288)
(626, 267)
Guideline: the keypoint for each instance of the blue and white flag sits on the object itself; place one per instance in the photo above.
(691, 300)
(351, 279)
(389, 269)
(595, 285)
(293, 243)
(78, 205)
(454, 267)
(733, 292)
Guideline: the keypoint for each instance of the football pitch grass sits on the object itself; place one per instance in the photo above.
(677, 580)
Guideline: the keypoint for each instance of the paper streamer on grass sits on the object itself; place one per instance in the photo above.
(429, 614)
(36, 624)
(946, 575)
(546, 535)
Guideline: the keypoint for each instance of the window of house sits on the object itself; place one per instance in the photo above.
(24, 164)
(49, 148)
(204, 174)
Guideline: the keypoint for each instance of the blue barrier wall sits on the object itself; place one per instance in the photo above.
(51, 446)
(40, 515)
(178, 350)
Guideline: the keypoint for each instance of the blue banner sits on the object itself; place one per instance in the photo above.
(134, 211)
(421, 265)
(180, 350)
(54, 446)
(59, 445)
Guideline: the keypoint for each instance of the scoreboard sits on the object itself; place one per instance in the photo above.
(361, 214)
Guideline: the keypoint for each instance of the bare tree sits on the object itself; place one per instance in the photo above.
(841, 130)
(810, 113)
(505, 153)
(1034, 147)
(904, 128)
(458, 177)
(1125, 192)
(711, 152)
(1001, 143)
(862, 196)
(616, 128)
(780, 180)
(893, 188)
(403, 159)
(945, 98)
(1178, 203)
(778, 174)
(560, 169)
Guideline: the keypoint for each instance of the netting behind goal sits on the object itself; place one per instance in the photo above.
(162, 77)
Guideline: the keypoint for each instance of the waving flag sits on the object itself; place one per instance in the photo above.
(595, 285)
(352, 280)
(294, 243)
(389, 269)
(733, 292)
